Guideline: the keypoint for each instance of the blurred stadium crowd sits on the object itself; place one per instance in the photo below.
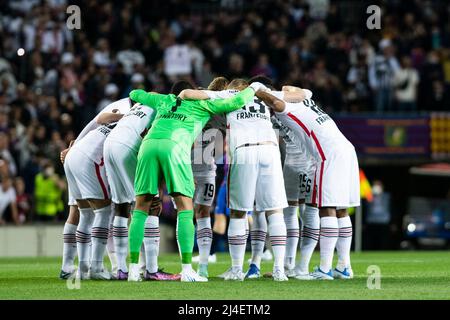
(54, 80)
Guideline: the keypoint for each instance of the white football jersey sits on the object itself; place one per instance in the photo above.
(92, 143)
(92, 125)
(250, 124)
(291, 141)
(313, 126)
(131, 129)
(202, 155)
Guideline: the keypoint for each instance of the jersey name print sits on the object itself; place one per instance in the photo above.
(322, 116)
(257, 109)
(249, 124)
(106, 129)
(137, 111)
(172, 115)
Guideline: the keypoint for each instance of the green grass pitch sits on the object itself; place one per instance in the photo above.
(404, 275)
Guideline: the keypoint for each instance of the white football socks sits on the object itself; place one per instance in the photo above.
(110, 248)
(204, 239)
(309, 237)
(292, 232)
(258, 236)
(237, 240)
(301, 208)
(83, 237)
(69, 247)
(344, 242)
(151, 243)
(100, 230)
(277, 235)
(120, 235)
(329, 232)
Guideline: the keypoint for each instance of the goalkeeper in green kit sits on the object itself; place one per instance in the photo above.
(165, 154)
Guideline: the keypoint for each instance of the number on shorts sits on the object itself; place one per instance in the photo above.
(209, 190)
(308, 185)
(305, 184)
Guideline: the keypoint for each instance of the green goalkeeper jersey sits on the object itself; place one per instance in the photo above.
(182, 120)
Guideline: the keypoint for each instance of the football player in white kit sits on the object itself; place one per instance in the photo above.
(70, 235)
(336, 178)
(255, 178)
(298, 170)
(86, 176)
(120, 156)
(296, 163)
(204, 170)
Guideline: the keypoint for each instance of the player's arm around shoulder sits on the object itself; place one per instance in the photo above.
(149, 99)
(109, 117)
(272, 101)
(192, 94)
(231, 104)
(295, 94)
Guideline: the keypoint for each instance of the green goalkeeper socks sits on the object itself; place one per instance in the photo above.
(186, 234)
(185, 228)
(136, 234)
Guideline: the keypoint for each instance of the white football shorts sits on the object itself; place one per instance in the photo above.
(85, 177)
(298, 171)
(337, 179)
(120, 164)
(255, 179)
(205, 188)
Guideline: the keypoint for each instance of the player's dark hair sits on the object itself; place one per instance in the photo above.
(262, 79)
(179, 86)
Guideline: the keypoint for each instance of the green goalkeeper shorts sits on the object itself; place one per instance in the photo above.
(163, 159)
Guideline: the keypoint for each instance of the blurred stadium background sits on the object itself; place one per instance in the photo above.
(388, 90)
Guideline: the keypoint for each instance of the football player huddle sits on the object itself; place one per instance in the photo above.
(118, 164)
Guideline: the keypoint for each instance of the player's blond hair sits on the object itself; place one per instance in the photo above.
(238, 84)
(218, 84)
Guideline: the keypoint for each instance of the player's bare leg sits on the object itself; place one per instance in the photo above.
(100, 232)
(83, 237)
(220, 224)
(204, 236)
(343, 269)
(308, 240)
(219, 230)
(70, 243)
(277, 236)
(237, 240)
(329, 232)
